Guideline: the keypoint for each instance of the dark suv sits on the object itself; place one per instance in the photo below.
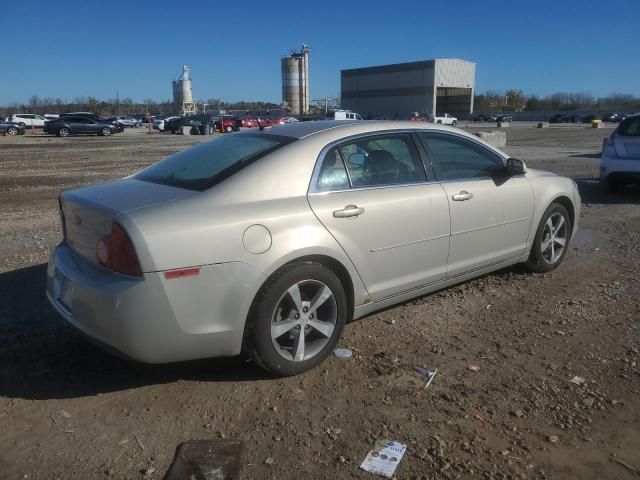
(79, 124)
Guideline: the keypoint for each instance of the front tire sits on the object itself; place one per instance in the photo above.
(296, 319)
(551, 242)
(12, 131)
(454, 123)
(64, 132)
(105, 132)
(228, 129)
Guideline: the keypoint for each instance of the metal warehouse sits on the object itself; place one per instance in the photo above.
(431, 86)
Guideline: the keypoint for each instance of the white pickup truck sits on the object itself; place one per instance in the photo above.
(446, 119)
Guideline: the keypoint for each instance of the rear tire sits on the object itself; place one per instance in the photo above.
(228, 129)
(64, 132)
(278, 321)
(454, 123)
(553, 234)
(12, 131)
(106, 132)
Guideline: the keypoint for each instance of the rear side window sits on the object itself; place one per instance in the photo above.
(455, 158)
(630, 127)
(333, 174)
(383, 160)
(202, 166)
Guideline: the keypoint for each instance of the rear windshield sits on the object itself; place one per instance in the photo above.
(202, 166)
(630, 127)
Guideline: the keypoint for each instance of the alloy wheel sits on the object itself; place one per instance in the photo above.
(554, 238)
(304, 320)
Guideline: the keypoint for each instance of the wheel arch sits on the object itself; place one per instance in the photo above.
(327, 261)
(567, 203)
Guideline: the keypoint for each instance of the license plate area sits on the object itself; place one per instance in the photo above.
(63, 291)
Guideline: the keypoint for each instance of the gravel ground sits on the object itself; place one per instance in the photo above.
(71, 411)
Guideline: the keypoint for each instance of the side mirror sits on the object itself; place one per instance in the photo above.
(515, 167)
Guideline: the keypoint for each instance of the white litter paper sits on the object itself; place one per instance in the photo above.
(384, 458)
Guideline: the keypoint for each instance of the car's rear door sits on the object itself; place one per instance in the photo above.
(373, 195)
(627, 138)
(491, 214)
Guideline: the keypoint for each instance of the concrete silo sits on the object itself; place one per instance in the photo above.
(182, 94)
(295, 80)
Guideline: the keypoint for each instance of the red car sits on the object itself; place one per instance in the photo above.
(228, 125)
(254, 122)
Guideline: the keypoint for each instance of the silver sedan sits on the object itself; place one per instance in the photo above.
(268, 242)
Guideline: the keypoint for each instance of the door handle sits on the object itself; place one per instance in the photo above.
(462, 196)
(350, 211)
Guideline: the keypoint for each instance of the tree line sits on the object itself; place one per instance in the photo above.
(516, 101)
(120, 106)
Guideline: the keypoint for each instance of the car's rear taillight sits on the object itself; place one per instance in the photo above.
(610, 140)
(116, 252)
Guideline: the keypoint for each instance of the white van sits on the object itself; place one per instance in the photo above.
(345, 115)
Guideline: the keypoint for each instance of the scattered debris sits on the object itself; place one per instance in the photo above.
(343, 353)
(481, 419)
(269, 461)
(139, 442)
(474, 367)
(587, 402)
(430, 374)
(626, 465)
(578, 380)
(390, 321)
(518, 413)
(553, 438)
(341, 459)
(384, 458)
(211, 459)
(148, 471)
(65, 414)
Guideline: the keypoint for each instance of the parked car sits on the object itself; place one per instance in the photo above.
(79, 124)
(227, 124)
(160, 122)
(128, 121)
(345, 115)
(504, 117)
(613, 117)
(588, 118)
(446, 119)
(28, 119)
(564, 118)
(620, 159)
(286, 234)
(175, 124)
(11, 128)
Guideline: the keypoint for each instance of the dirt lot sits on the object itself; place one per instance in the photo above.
(71, 411)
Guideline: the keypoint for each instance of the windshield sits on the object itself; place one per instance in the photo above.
(202, 166)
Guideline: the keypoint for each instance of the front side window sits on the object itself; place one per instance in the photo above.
(383, 160)
(455, 158)
(202, 166)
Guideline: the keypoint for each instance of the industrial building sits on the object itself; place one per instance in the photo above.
(182, 94)
(432, 86)
(295, 81)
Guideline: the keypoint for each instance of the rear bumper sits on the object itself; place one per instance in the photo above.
(154, 320)
(612, 166)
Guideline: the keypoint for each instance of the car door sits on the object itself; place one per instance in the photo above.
(372, 194)
(491, 214)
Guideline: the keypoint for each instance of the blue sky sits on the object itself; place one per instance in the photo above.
(74, 48)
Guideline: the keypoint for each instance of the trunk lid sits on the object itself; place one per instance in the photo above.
(89, 212)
